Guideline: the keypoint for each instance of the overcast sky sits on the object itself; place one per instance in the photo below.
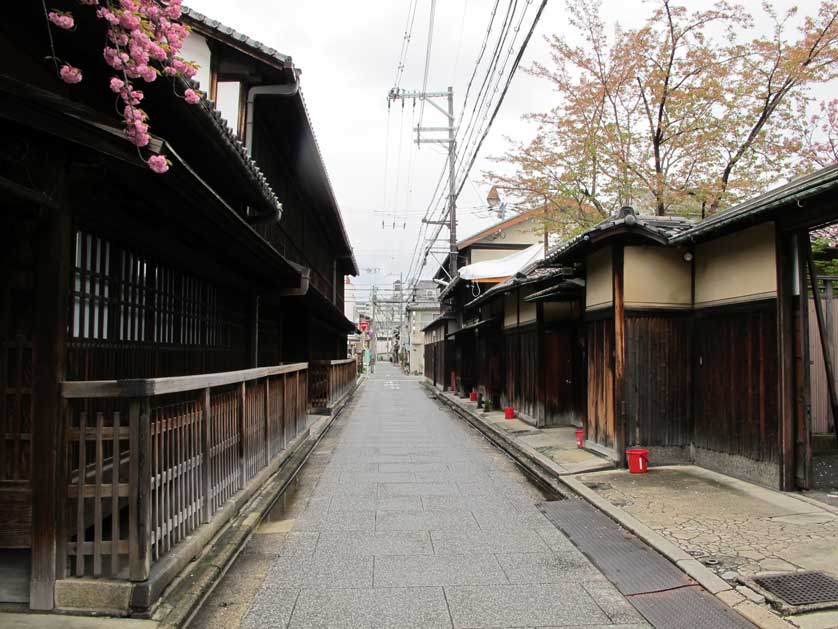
(348, 53)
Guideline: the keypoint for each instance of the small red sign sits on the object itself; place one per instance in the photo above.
(364, 325)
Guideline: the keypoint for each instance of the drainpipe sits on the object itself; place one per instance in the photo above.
(305, 275)
(287, 89)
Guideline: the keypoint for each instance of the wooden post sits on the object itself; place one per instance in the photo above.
(268, 443)
(139, 511)
(48, 479)
(824, 332)
(242, 404)
(541, 393)
(785, 259)
(254, 332)
(620, 417)
(828, 321)
(206, 486)
(803, 394)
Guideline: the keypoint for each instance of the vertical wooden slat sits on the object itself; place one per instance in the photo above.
(241, 433)
(115, 498)
(97, 499)
(205, 453)
(80, 493)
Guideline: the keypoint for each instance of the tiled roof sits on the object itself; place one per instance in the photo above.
(795, 191)
(193, 17)
(664, 227)
(213, 116)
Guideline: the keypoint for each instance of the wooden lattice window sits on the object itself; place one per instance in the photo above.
(124, 297)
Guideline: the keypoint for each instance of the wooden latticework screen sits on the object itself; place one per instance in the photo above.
(133, 317)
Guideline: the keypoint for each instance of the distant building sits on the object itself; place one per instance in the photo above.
(422, 308)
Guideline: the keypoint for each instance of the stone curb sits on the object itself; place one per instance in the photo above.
(198, 585)
(705, 577)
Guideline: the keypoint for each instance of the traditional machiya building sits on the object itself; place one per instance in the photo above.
(455, 361)
(162, 337)
(690, 336)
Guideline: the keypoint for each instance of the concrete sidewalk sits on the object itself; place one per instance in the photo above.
(556, 444)
(718, 529)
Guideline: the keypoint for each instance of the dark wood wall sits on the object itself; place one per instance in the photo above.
(17, 280)
(523, 377)
(601, 424)
(735, 367)
(657, 379)
(490, 363)
(465, 352)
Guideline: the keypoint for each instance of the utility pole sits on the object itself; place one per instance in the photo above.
(396, 94)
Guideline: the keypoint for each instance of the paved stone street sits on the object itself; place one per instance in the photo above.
(405, 517)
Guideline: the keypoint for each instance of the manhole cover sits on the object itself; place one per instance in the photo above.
(801, 588)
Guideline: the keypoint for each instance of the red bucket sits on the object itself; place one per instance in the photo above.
(509, 413)
(580, 437)
(473, 396)
(638, 459)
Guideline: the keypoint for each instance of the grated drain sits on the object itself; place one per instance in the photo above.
(801, 588)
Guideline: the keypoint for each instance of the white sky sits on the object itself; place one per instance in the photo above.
(348, 52)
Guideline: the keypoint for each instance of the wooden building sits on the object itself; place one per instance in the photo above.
(527, 343)
(155, 330)
(458, 365)
(694, 341)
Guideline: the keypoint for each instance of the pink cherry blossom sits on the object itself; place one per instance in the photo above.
(158, 164)
(69, 74)
(144, 40)
(62, 20)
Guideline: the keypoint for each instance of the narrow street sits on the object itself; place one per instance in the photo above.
(405, 517)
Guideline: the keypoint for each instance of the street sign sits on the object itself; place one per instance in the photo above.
(364, 325)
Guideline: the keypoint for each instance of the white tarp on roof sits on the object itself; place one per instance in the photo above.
(503, 267)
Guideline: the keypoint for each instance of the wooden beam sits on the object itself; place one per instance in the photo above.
(52, 288)
(620, 417)
(824, 332)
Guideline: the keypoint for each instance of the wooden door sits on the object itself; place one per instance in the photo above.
(559, 381)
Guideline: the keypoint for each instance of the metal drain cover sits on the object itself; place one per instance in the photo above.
(801, 588)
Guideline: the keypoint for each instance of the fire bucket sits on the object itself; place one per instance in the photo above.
(580, 437)
(472, 396)
(509, 413)
(638, 459)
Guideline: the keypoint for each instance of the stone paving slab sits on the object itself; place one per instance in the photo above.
(383, 543)
(416, 570)
(323, 570)
(520, 605)
(424, 520)
(381, 608)
(453, 542)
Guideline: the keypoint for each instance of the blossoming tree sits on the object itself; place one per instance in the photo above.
(144, 39)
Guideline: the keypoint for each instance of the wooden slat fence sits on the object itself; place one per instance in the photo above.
(330, 381)
(822, 421)
(149, 461)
